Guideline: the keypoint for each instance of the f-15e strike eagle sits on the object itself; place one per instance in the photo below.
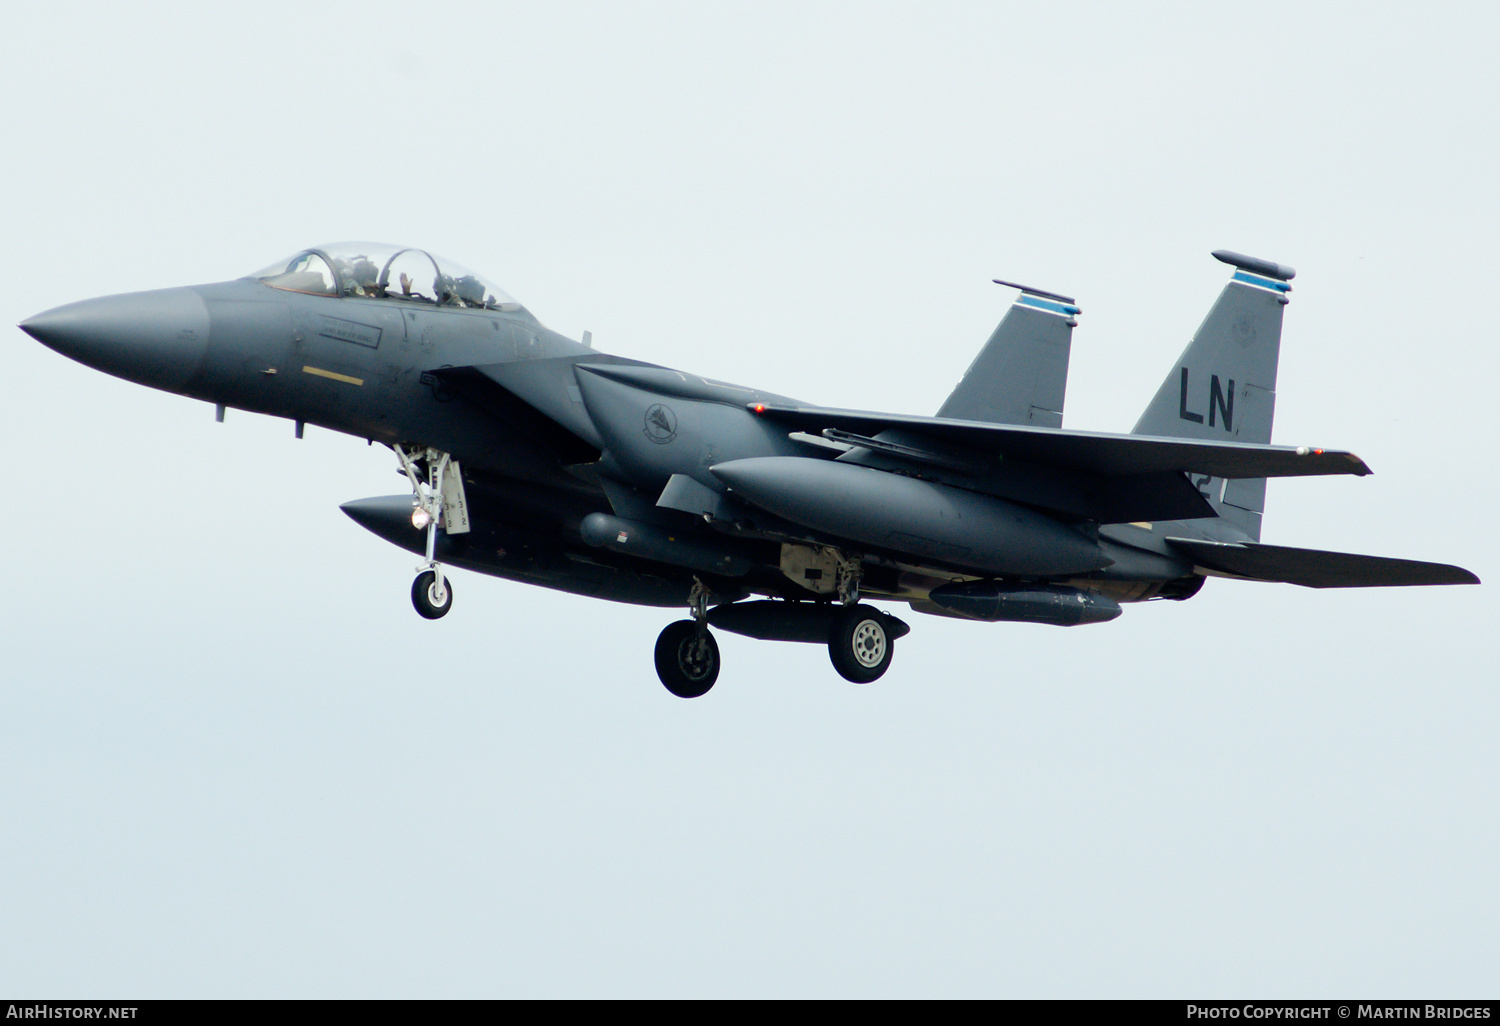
(535, 458)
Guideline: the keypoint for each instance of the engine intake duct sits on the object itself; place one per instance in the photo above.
(996, 600)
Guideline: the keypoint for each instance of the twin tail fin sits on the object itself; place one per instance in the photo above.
(1021, 374)
(1223, 387)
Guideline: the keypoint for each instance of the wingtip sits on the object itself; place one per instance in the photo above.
(1357, 466)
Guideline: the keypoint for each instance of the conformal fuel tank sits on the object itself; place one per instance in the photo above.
(956, 527)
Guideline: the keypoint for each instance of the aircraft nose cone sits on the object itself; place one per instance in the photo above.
(155, 338)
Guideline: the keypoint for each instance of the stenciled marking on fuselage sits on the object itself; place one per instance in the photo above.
(350, 331)
(1220, 401)
(332, 375)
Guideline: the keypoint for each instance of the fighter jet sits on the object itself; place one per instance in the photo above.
(534, 457)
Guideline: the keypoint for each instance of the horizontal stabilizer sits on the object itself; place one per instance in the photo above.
(1094, 452)
(1315, 568)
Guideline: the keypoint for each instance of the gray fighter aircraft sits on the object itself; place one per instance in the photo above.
(533, 457)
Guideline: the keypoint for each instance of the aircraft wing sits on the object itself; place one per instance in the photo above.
(1093, 452)
(1315, 568)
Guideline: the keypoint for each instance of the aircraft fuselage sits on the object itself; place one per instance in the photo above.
(534, 457)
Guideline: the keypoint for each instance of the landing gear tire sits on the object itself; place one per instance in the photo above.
(426, 597)
(860, 644)
(687, 659)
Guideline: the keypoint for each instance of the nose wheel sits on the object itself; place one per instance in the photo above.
(432, 595)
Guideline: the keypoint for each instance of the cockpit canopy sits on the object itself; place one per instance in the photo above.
(376, 270)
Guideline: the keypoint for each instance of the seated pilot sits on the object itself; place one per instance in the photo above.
(365, 277)
(469, 290)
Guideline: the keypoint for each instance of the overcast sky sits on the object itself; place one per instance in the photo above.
(234, 762)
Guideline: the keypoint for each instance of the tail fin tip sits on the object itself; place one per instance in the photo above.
(1038, 292)
(1255, 265)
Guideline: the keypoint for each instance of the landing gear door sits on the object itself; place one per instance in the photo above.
(455, 505)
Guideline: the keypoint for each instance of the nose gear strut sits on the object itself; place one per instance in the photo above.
(437, 502)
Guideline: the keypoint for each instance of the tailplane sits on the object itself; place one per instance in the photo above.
(1314, 568)
(1223, 387)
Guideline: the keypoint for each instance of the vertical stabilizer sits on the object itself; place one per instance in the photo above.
(1021, 374)
(1223, 387)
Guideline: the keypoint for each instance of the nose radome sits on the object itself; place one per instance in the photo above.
(155, 338)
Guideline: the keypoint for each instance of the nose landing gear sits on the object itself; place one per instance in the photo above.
(437, 502)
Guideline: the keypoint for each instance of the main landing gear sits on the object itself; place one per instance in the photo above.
(687, 659)
(437, 502)
(687, 656)
(861, 639)
(860, 644)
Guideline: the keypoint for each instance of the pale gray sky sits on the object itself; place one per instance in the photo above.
(233, 761)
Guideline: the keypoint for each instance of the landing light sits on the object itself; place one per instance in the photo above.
(420, 518)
